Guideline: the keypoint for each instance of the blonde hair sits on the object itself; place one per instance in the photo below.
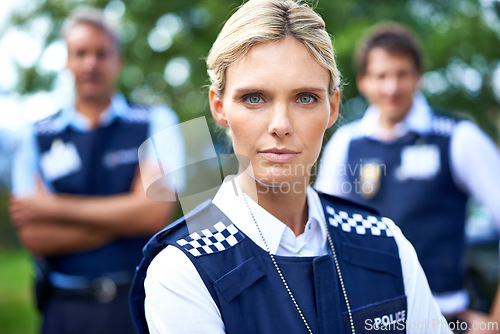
(259, 21)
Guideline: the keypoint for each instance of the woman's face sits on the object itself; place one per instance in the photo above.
(277, 105)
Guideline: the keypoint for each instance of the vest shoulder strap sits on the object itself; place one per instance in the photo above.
(203, 216)
(347, 202)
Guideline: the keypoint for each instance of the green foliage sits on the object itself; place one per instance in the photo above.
(17, 311)
(458, 37)
(8, 236)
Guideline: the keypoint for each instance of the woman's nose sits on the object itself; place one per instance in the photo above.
(280, 123)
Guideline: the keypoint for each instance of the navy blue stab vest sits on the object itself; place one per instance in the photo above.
(430, 213)
(109, 162)
(250, 295)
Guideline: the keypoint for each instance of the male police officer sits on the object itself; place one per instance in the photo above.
(413, 163)
(86, 216)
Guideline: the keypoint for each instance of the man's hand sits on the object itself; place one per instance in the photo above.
(35, 217)
(39, 206)
(47, 238)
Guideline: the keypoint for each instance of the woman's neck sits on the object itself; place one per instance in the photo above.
(288, 205)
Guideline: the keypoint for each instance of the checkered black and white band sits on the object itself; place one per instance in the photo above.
(208, 242)
(357, 223)
(442, 125)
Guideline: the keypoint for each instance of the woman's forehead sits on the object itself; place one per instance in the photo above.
(283, 61)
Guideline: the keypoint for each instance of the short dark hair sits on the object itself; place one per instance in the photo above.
(393, 38)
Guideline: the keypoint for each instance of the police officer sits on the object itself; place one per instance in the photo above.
(78, 203)
(269, 254)
(414, 163)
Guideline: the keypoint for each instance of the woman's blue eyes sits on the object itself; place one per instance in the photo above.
(304, 99)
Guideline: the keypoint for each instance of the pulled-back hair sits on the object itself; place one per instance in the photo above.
(260, 21)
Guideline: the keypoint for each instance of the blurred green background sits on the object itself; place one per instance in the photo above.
(164, 44)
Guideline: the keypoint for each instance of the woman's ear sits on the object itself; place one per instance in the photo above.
(216, 107)
(334, 107)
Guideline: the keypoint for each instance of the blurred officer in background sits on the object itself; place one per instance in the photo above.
(78, 201)
(414, 163)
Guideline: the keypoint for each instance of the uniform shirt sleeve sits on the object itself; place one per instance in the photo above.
(475, 164)
(177, 300)
(424, 315)
(24, 163)
(169, 143)
(332, 178)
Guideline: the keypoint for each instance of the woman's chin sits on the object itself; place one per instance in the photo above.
(280, 183)
(283, 180)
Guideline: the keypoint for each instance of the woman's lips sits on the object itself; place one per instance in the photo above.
(279, 155)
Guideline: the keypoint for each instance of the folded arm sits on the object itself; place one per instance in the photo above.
(52, 224)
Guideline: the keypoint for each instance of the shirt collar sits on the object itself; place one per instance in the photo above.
(417, 120)
(71, 117)
(228, 199)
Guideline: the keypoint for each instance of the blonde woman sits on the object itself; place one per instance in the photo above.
(279, 257)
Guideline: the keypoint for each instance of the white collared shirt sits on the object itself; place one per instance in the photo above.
(177, 300)
(418, 120)
(474, 163)
(279, 237)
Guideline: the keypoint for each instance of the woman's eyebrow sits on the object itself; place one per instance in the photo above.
(247, 90)
(310, 89)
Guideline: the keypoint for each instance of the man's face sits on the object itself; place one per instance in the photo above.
(390, 83)
(94, 60)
